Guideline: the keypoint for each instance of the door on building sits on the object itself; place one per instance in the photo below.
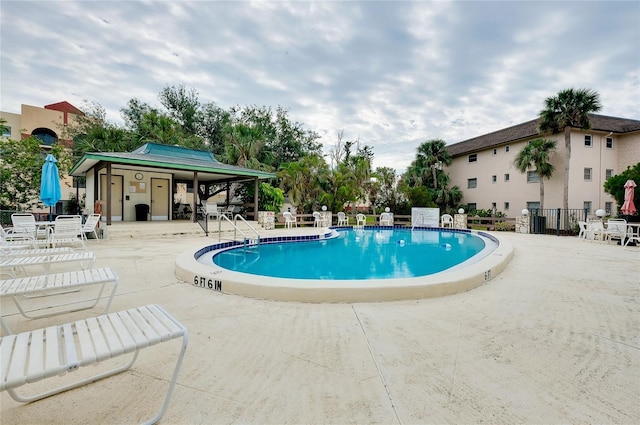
(116, 196)
(159, 199)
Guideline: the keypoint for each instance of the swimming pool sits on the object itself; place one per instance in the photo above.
(357, 254)
(196, 268)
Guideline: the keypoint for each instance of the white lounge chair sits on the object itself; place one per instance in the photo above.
(91, 226)
(596, 228)
(386, 219)
(289, 220)
(446, 221)
(24, 226)
(342, 219)
(67, 230)
(361, 220)
(34, 252)
(616, 229)
(85, 259)
(583, 234)
(53, 285)
(57, 350)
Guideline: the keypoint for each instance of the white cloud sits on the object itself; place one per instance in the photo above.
(390, 74)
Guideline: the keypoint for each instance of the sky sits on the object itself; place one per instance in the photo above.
(390, 75)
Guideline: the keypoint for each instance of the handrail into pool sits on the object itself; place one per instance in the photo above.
(237, 229)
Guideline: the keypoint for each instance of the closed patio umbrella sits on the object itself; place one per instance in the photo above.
(629, 208)
(50, 191)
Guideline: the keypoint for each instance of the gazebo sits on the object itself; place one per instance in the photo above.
(118, 183)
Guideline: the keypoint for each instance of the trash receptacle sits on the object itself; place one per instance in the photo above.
(142, 211)
(539, 225)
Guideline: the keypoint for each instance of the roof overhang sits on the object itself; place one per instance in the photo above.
(181, 171)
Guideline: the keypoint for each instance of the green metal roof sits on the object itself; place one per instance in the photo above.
(167, 157)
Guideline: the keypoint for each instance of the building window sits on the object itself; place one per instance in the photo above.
(608, 173)
(506, 177)
(472, 183)
(533, 206)
(506, 206)
(587, 206)
(608, 206)
(473, 157)
(494, 206)
(47, 137)
(587, 174)
(532, 177)
(472, 207)
(495, 151)
(6, 131)
(494, 179)
(609, 143)
(587, 140)
(506, 149)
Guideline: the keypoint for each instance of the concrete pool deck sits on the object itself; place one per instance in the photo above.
(555, 338)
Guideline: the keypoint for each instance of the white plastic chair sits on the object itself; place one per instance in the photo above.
(583, 230)
(361, 220)
(446, 221)
(386, 219)
(212, 210)
(317, 219)
(90, 226)
(342, 219)
(289, 220)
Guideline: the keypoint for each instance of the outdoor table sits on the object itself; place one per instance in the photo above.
(44, 225)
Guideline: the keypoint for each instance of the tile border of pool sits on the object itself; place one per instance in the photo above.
(448, 282)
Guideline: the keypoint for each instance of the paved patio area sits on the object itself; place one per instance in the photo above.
(554, 339)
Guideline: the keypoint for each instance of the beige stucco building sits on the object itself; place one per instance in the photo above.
(483, 167)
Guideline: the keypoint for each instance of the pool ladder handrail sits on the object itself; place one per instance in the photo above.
(236, 229)
(421, 217)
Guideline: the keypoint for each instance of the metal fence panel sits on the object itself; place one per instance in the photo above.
(556, 221)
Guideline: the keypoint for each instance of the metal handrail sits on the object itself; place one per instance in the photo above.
(421, 217)
(236, 229)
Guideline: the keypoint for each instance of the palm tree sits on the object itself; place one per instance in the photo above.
(536, 156)
(570, 108)
(433, 155)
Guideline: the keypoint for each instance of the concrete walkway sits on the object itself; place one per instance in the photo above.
(554, 339)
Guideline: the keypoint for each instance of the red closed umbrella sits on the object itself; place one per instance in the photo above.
(628, 208)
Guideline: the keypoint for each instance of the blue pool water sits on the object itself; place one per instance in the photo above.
(357, 254)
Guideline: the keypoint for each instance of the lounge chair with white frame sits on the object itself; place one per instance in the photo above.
(91, 226)
(616, 229)
(57, 350)
(67, 230)
(13, 264)
(50, 288)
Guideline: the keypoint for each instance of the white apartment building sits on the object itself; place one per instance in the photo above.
(483, 167)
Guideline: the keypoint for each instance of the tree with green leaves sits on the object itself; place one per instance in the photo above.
(21, 171)
(568, 109)
(615, 185)
(431, 157)
(535, 157)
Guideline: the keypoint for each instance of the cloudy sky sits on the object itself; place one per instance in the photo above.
(390, 74)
